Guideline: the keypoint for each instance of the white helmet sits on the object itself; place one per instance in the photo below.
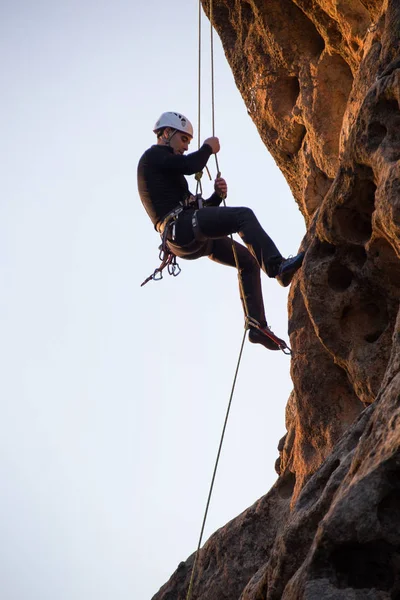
(175, 121)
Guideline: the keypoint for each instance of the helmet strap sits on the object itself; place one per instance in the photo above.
(170, 137)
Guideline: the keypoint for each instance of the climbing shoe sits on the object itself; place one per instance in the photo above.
(256, 336)
(288, 268)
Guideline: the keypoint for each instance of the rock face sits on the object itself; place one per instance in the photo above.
(321, 81)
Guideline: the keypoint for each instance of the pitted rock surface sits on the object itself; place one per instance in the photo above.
(321, 81)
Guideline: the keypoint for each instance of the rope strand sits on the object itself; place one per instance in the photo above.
(199, 82)
(212, 78)
(190, 589)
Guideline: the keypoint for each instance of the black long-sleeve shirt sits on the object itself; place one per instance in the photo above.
(161, 182)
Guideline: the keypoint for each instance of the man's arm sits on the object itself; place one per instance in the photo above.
(189, 164)
(185, 165)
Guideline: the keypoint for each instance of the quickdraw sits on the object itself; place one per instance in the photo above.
(168, 258)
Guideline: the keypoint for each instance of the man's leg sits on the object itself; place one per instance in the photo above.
(216, 222)
(220, 250)
(249, 273)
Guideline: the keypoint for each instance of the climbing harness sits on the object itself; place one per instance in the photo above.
(166, 229)
(168, 259)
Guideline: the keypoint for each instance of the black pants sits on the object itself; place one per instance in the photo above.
(216, 224)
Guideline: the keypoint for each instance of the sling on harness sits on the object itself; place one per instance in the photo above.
(168, 258)
(166, 229)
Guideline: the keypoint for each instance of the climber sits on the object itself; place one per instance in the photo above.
(200, 227)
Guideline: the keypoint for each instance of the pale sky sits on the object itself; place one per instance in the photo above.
(113, 396)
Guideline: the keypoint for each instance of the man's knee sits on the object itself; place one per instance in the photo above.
(246, 214)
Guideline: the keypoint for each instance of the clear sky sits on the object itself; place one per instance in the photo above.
(113, 396)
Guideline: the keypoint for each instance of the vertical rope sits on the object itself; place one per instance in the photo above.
(212, 77)
(190, 589)
(212, 69)
(199, 82)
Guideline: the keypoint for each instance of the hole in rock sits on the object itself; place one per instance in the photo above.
(376, 134)
(368, 565)
(291, 143)
(332, 87)
(385, 106)
(386, 260)
(392, 142)
(365, 320)
(293, 88)
(364, 193)
(353, 218)
(357, 255)
(301, 134)
(286, 485)
(286, 92)
(352, 225)
(373, 337)
(339, 277)
(247, 13)
(302, 39)
(385, 125)
(324, 249)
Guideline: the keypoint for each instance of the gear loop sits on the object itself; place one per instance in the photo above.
(167, 258)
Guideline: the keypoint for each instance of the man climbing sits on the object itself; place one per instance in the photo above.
(196, 230)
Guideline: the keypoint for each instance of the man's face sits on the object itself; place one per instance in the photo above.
(180, 142)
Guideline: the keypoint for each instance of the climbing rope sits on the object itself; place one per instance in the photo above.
(199, 81)
(199, 189)
(213, 81)
(189, 593)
